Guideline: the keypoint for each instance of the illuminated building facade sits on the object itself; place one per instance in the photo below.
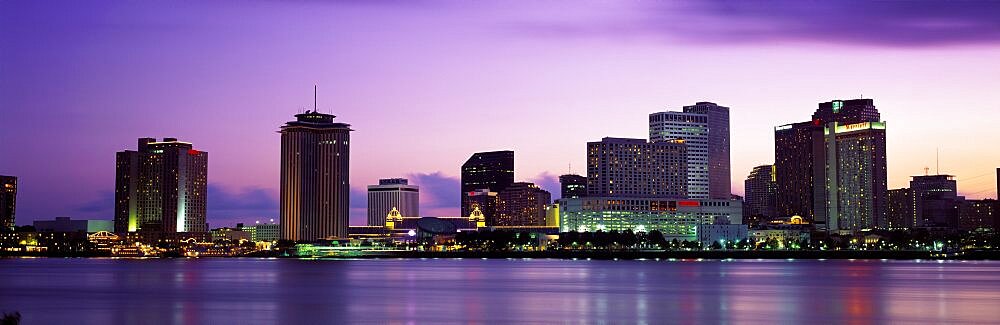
(899, 209)
(485, 201)
(832, 169)
(392, 193)
(315, 174)
(161, 187)
(8, 202)
(935, 200)
(492, 170)
(676, 219)
(572, 186)
(65, 224)
(618, 167)
(522, 204)
(704, 128)
(976, 214)
(761, 195)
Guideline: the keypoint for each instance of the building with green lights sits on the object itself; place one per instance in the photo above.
(161, 187)
(676, 219)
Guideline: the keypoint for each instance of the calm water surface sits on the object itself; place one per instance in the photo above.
(249, 291)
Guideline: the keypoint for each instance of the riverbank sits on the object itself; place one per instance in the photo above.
(621, 255)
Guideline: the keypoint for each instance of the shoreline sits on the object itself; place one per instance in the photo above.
(601, 255)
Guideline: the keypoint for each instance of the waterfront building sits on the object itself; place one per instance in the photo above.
(899, 210)
(722, 233)
(521, 204)
(227, 233)
(572, 186)
(266, 231)
(162, 186)
(832, 170)
(704, 128)
(315, 175)
(493, 171)
(8, 202)
(977, 214)
(483, 200)
(392, 193)
(935, 201)
(65, 224)
(618, 167)
(675, 218)
(760, 201)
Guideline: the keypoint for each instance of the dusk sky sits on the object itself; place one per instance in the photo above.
(426, 84)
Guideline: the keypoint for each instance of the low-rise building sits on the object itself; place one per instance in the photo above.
(65, 224)
(676, 219)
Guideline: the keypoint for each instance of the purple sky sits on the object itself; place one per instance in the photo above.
(426, 84)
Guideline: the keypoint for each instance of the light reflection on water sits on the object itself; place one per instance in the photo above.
(184, 291)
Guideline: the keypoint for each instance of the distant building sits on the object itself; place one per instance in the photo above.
(65, 224)
(761, 195)
(161, 187)
(618, 167)
(486, 201)
(552, 215)
(722, 233)
(935, 201)
(522, 204)
(899, 213)
(976, 214)
(227, 233)
(268, 231)
(675, 218)
(8, 202)
(572, 186)
(315, 175)
(795, 171)
(492, 170)
(704, 128)
(392, 193)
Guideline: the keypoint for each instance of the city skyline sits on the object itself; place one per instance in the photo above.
(596, 85)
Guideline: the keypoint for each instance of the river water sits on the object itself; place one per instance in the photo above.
(289, 291)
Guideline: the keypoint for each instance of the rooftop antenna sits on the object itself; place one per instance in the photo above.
(937, 160)
(314, 97)
(927, 171)
(570, 169)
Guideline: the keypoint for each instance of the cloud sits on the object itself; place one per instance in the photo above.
(437, 190)
(103, 206)
(864, 23)
(549, 182)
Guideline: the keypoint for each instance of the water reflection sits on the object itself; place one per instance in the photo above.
(247, 291)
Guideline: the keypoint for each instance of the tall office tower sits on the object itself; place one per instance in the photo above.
(484, 200)
(572, 186)
(161, 186)
(492, 170)
(315, 174)
(899, 209)
(794, 173)
(522, 204)
(392, 193)
(704, 127)
(840, 157)
(8, 202)
(761, 195)
(935, 201)
(618, 167)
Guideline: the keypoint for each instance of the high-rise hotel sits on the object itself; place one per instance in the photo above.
(832, 169)
(315, 193)
(704, 128)
(161, 187)
(491, 171)
(619, 167)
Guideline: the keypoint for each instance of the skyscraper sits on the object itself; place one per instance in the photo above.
(392, 193)
(315, 170)
(618, 167)
(522, 204)
(704, 127)
(492, 170)
(572, 186)
(8, 202)
(761, 195)
(161, 186)
(833, 169)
